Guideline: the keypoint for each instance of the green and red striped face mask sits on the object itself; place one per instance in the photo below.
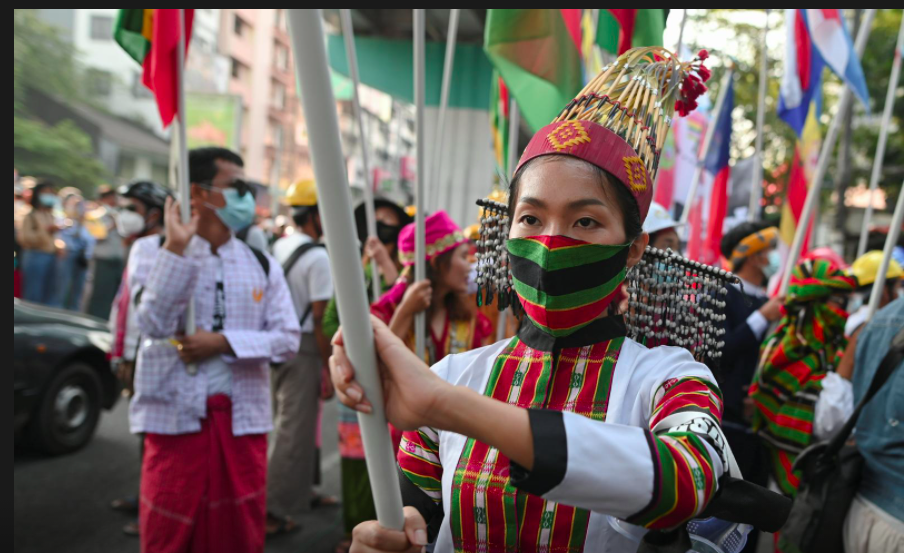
(565, 283)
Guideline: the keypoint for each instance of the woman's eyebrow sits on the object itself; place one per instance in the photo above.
(530, 200)
(586, 202)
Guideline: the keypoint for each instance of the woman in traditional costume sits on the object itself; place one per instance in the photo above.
(570, 436)
(453, 323)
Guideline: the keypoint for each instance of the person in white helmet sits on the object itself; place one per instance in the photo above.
(662, 228)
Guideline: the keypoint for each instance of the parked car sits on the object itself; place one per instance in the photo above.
(62, 376)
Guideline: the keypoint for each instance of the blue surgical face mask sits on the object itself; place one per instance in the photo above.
(238, 212)
(774, 266)
(48, 200)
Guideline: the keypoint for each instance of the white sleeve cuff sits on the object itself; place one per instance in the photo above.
(758, 324)
(834, 406)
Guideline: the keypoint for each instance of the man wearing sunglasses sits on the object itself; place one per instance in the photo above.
(203, 400)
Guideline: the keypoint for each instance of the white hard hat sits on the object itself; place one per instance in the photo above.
(658, 218)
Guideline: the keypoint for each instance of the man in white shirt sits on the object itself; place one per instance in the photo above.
(297, 384)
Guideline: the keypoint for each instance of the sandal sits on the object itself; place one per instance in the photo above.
(131, 529)
(125, 505)
(324, 501)
(276, 526)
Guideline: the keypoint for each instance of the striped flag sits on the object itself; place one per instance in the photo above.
(538, 55)
(151, 37)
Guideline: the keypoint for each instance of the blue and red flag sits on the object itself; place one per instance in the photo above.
(716, 164)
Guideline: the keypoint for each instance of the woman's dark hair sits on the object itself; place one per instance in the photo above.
(609, 182)
(39, 187)
(202, 165)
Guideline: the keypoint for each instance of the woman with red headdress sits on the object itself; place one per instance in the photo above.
(453, 323)
(570, 436)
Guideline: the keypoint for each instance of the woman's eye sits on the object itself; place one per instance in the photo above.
(529, 220)
(586, 222)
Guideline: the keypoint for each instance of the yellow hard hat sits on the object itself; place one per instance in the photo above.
(302, 194)
(411, 210)
(866, 268)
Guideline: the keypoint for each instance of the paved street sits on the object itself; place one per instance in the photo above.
(62, 503)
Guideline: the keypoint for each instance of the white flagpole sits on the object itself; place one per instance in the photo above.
(681, 33)
(184, 186)
(822, 166)
(883, 138)
(514, 126)
(420, 249)
(756, 186)
(440, 136)
(890, 241)
(348, 32)
(707, 142)
(313, 78)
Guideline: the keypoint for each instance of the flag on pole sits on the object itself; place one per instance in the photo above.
(831, 39)
(716, 164)
(688, 135)
(151, 38)
(538, 55)
(800, 98)
(802, 79)
(621, 30)
(499, 126)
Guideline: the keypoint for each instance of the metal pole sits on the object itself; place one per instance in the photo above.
(756, 186)
(681, 33)
(275, 176)
(184, 186)
(438, 143)
(313, 78)
(707, 141)
(420, 248)
(348, 32)
(514, 128)
(893, 232)
(831, 135)
(883, 138)
(512, 160)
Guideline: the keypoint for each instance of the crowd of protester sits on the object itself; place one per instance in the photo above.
(203, 403)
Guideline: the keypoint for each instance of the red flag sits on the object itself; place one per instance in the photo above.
(718, 209)
(161, 63)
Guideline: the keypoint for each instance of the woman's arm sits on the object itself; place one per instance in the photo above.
(658, 477)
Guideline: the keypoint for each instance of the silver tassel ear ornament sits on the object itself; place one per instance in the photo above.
(493, 277)
(678, 302)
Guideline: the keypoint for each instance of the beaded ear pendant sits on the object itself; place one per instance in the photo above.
(678, 302)
(494, 279)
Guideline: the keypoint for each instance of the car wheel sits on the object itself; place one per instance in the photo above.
(69, 410)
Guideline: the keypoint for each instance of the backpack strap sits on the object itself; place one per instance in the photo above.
(290, 262)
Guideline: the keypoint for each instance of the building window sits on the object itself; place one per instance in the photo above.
(99, 82)
(276, 134)
(281, 57)
(279, 95)
(101, 27)
(236, 68)
(238, 26)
